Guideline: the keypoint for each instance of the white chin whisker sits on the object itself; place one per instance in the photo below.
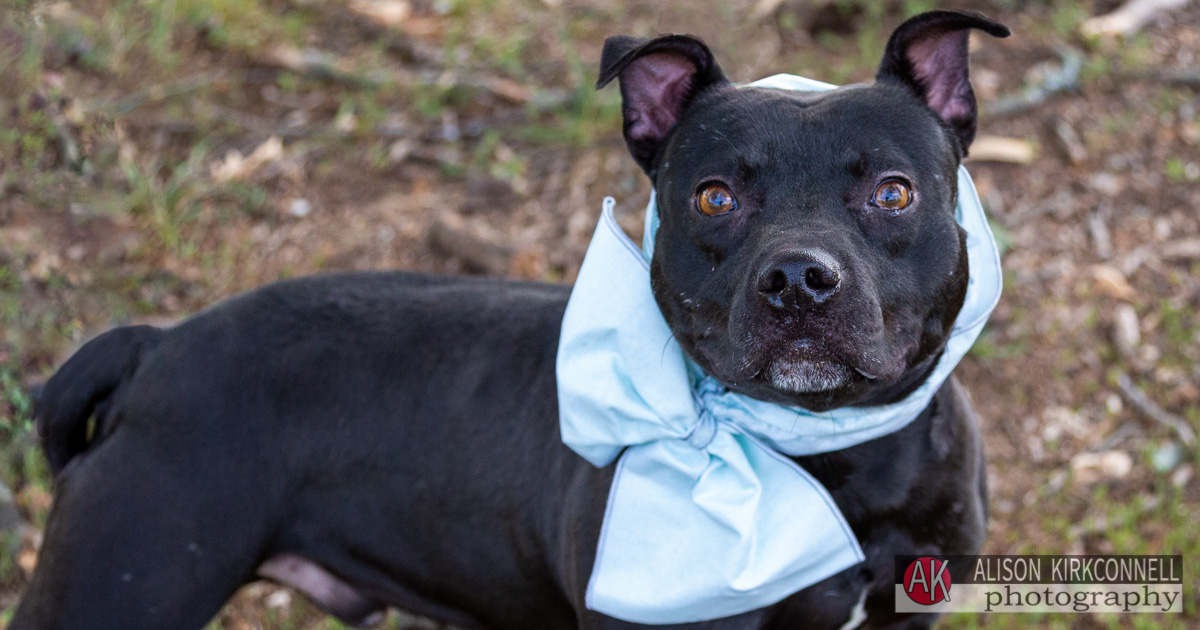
(803, 377)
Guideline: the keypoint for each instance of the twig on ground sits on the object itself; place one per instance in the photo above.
(1125, 431)
(452, 235)
(1144, 404)
(162, 91)
(1129, 18)
(1182, 78)
(1064, 79)
(68, 146)
(1186, 249)
(320, 65)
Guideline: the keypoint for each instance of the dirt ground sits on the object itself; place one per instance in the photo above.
(158, 156)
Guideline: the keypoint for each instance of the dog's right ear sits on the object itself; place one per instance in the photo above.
(659, 79)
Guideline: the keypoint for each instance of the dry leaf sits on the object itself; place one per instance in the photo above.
(289, 57)
(27, 559)
(1089, 468)
(386, 12)
(237, 167)
(764, 8)
(1001, 149)
(1112, 282)
(509, 90)
(1127, 331)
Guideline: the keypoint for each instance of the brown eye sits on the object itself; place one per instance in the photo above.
(716, 199)
(892, 195)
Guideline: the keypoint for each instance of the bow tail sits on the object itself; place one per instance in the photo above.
(759, 527)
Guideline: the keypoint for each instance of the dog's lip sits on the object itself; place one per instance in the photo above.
(865, 374)
(806, 350)
(756, 361)
(810, 350)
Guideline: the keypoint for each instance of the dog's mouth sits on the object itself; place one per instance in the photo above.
(822, 361)
(803, 371)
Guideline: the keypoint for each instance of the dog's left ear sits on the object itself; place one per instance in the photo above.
(659, 78)
(928, 54)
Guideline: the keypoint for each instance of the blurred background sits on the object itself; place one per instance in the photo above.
(159, 155)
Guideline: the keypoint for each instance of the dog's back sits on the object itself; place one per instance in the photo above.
(320, 419)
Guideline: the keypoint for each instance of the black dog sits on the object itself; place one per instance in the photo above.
(392, 439)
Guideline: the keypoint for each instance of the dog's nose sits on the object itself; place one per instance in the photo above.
(800, 279)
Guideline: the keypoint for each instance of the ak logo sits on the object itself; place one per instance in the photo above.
(927, 581)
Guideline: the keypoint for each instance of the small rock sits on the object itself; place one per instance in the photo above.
(1058, 421)
(1168, 375)
(385, 234)
(1069, 139)
(1036, 449)
(300, 207)
(1167, 457)
(1089, 468)
(279, 599)
(1127, 333)
(1056, 481)
(345, 121)
(257, 590)
(400, 150)
(1107, 184)
(1182, 475)
(1162, 228)
(1113, 404)
(1101, 237)
(450, 129)
(44, 265)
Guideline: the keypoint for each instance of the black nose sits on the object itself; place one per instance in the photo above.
(800, 279)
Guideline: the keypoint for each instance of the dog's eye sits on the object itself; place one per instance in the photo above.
(892, 195)
(715, 199)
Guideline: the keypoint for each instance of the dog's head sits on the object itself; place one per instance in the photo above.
(807, 252)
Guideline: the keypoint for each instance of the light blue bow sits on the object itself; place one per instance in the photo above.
(706, 517)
